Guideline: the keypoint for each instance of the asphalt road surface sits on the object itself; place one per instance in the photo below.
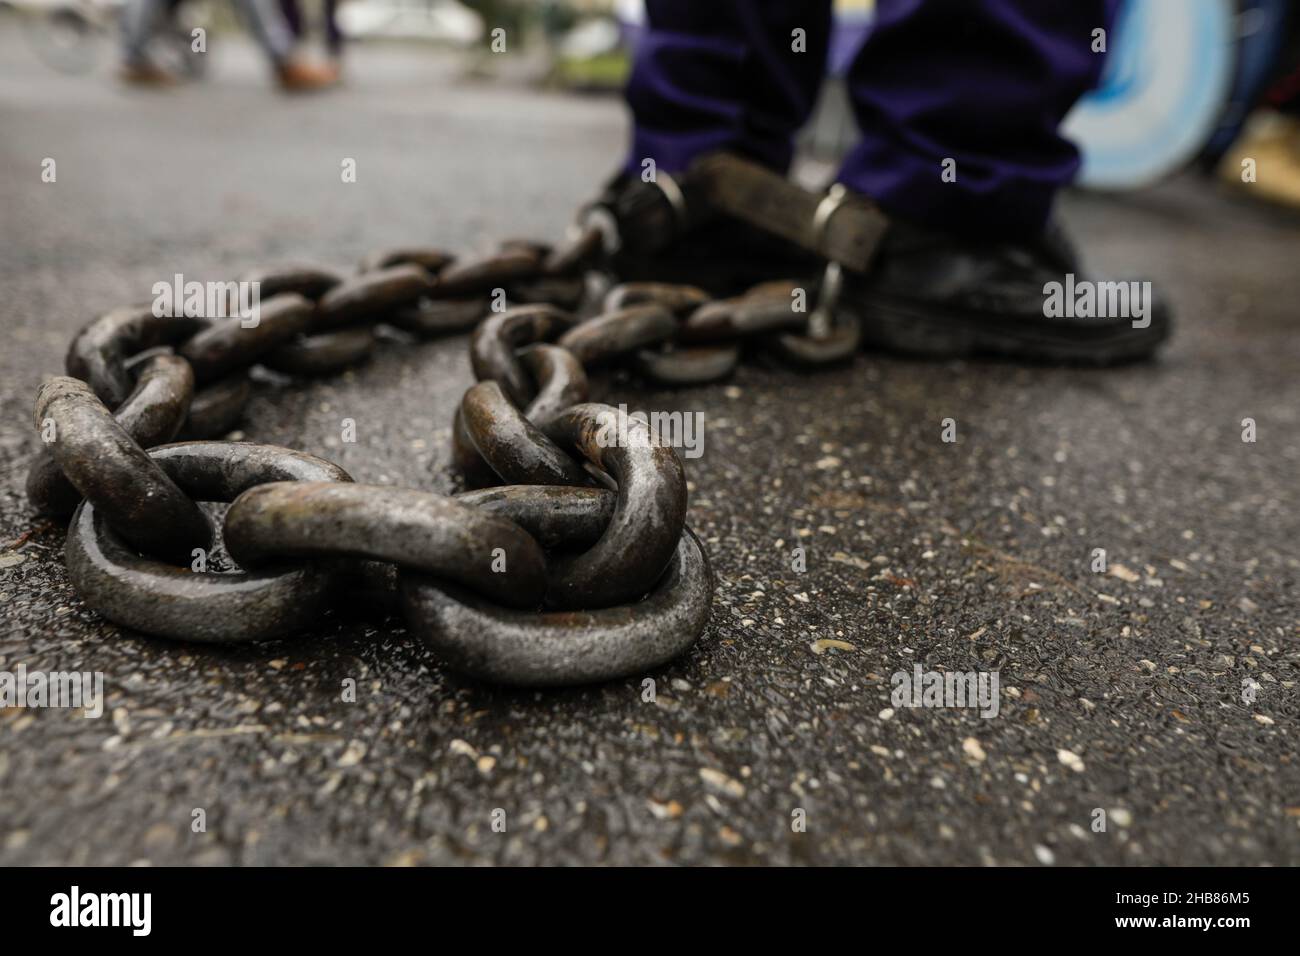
(1120, 692)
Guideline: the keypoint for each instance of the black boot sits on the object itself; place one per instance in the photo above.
(931, 293)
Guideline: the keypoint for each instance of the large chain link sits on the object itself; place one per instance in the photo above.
(568, 561)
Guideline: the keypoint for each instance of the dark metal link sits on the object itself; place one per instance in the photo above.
(536, 248)
(170, 601)
(430, 317)
(578, 250)
(323, 354)
(156, 409)
(306, 280)
(514, 448)
(152, 414)
(678, 299)
(430, 259)
(648, 516)
(371, 296)
(492, 347)
(751, 314)
(223, 470)
(108, 467)
(570, 647)
(619, 333)
(415, 529)
(689, 366)
(203, 606)
(557, 516)
(476, 276)
(215, 410)
(563, 291)
(560, 379)
(227, 345)
(808, 351)
(99, 351)
(465, 458)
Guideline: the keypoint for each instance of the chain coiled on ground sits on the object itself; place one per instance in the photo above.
(569, 562)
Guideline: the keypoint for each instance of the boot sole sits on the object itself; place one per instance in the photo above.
(936, 332)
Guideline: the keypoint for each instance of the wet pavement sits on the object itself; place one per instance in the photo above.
(775, 739)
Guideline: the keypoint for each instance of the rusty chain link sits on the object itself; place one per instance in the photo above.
(568, 562)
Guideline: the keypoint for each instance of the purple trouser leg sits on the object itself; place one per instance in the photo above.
(985, 83)
(721, 74)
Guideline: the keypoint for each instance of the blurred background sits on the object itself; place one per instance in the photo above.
(1188, 83)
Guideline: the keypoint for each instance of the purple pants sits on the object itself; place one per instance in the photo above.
(983, 82)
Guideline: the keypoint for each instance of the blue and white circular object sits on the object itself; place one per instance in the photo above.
(1168, 74)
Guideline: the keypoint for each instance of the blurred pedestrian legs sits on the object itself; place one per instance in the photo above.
(265, 20)
(333, 35)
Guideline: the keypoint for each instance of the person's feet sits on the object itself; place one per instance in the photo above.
(146, 74)
(931, 293)
(926, 293)
(299, 76)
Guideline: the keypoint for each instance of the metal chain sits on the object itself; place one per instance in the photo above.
(569, 560)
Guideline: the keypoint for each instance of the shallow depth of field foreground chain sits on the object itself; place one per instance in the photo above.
(569, 562)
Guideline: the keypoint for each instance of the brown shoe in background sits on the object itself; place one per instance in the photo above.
(146, 74)
(298, 76)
